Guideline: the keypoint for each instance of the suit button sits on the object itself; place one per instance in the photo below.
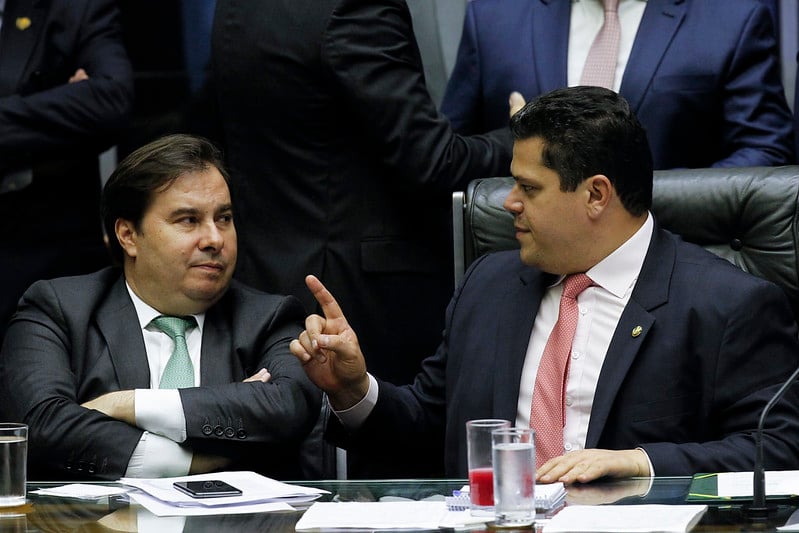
(92, 468)
(219, 431)
(230, 432)
(81, 466)
(207, 429)
(69, 465)
(241, 434)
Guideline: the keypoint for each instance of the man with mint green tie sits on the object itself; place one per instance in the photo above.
(167, 366)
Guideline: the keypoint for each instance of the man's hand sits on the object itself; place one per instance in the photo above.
(515, 102)
(329, 351)
(262, 375)
(79, 75)
(583, 466)
(119, 404)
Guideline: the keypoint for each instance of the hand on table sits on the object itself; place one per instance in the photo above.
(582, 466)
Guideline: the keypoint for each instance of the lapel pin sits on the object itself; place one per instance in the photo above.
(23, 23)
(637, 331)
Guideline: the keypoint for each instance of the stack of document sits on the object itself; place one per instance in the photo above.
(549, 497)
(259, 494)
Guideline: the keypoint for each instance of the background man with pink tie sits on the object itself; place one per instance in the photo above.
(702, 76)
(673, 356)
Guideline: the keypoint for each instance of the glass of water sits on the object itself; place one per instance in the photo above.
(513, 452)
(13, 463)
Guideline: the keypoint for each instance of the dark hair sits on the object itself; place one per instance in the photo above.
(153, 167)
(587, 131)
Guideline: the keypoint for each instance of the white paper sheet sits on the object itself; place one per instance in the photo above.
(778, 483)
(82, 491)
(159, 508)
(255, 488)
(384, 515)
(625, 518)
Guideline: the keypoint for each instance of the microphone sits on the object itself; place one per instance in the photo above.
(758, 510)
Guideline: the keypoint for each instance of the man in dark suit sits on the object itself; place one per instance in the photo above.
(66, 89)
(109, 390)
(702, 76)
(343, 166)
(675, 351)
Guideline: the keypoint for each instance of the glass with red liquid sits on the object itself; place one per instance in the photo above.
(481, 474)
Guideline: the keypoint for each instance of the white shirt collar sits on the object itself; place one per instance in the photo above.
(618, 272)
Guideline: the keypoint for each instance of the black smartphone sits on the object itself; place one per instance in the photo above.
(210, 488)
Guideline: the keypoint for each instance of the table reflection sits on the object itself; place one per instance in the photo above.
(51, 514)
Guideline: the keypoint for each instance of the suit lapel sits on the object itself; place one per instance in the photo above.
(551, 43)
(215, 368)
(651, 291)
(513, 336)
(661, 20)
(23, 21)
(119, 325)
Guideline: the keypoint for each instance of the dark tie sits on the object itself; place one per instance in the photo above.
(547, 416)
(600, 66)
(179, 371)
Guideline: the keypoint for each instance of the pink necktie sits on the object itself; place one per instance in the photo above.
(600, 67)
(547, 416)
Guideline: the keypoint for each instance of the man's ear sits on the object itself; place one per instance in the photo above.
(600, 191)
(126, 234)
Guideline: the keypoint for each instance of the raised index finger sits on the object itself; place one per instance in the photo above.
(330, 307)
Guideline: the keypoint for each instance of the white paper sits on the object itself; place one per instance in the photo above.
(625, 518)
(159, 508)
(384, 515)
(739, 484)
(255, 488)
(82, 491)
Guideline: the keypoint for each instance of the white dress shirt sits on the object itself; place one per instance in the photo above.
(600, 308)
(160, 411)
(587, 17)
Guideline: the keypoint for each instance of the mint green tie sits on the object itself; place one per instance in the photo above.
(179, 372)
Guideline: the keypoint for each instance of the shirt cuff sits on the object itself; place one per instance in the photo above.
(649, 461)
(160, 411)
(157, 456)
(355, 416)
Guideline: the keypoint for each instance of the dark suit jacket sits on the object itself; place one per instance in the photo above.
(703, 76)
(52, 227)
(716, 344)
(74, 339)
(57, 127)
(342, 166)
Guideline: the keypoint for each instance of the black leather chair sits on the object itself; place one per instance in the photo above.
(749, 216)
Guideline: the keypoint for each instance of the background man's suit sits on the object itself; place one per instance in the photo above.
(716, 343)
(342, 166)
(52, 226)
(703, 76)
(81, 334)
(437, 25)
